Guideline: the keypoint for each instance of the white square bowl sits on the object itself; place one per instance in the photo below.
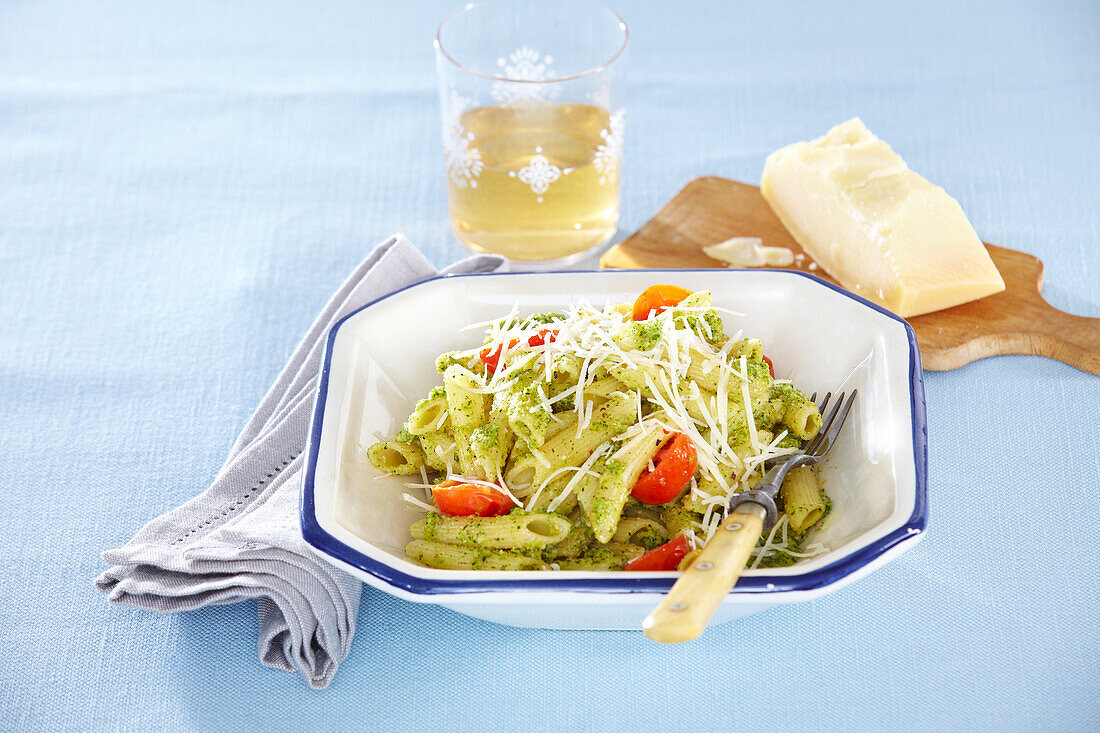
(380, 359)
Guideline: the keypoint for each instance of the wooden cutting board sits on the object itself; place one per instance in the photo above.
(1017, 321)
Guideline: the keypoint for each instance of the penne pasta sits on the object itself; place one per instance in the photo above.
(395, 457)
(587, 438)
(456, 557)
(802, 499)
(466, 406)
(621, 470)
(507, 532)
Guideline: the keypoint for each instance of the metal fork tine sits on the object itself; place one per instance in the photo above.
(813, 451)
(813, 397)
(836, 420)
(812, 447)
(824, 402)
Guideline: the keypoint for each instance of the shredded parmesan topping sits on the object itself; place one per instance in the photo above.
(589, 343)
(417, 503)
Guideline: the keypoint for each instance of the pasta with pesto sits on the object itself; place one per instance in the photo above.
(606, 438)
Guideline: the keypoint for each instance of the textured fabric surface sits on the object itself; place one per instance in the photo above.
(183, 186)
(240, 538)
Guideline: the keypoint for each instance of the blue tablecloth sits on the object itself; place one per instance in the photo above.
(183, 184)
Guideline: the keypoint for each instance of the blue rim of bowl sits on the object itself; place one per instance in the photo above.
(325, 543)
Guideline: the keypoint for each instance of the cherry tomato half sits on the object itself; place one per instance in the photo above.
(491, 357)
(673, 466)
(544, 336)
(460, 499)
(656, 298)
(664, 557)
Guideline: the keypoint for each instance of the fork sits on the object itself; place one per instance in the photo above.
(684, 612)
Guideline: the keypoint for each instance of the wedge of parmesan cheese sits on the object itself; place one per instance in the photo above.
(749, 252)
(876, 226)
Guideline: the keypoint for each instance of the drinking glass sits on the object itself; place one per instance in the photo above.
(533, 110)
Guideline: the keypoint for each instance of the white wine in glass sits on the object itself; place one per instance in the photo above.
(535, 181)
(533, 116)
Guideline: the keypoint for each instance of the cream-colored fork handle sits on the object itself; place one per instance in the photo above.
(685, 611)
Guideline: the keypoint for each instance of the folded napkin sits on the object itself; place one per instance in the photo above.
(240, 538)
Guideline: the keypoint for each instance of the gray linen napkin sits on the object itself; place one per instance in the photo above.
(240, 538)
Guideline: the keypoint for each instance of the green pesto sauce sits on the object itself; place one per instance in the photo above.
(482, 556)
(694, 322)
(776, 559)
(788, 393)
(647, 334)
(601, 507)
(485, 436)
(780, 559)
(648, 538)
(522, 378)
(542, 319)
(789, 441)
(757, 369)
(476, 535)
(599, 554)
(430, 523)
(448, 359)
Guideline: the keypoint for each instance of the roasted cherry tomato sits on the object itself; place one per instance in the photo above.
(673, 467)
(771, 367)
(544, 336)
(460, 499)
(656, 298)
(664, 557)
(491, 357)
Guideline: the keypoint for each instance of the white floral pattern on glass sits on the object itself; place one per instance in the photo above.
(539, 173)
(610, 153)
(525, 65)
(464, 163)
(458, 105)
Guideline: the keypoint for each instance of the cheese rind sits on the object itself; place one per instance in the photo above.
(880, 229)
